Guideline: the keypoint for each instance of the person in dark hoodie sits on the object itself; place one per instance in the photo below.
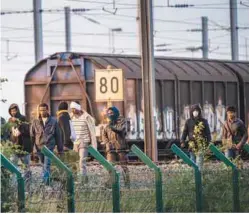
(19, 135)
(45, 131)
(195, 120)
(64, 121)
(234, 133)
(114, 140)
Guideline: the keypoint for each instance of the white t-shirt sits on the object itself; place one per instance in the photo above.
(44, 120)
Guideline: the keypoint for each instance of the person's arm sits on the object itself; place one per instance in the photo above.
(244, 137)
(119, 127)
(185, 132)
(224, 131)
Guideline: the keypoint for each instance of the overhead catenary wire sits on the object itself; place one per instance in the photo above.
(44, 11)
(158, 34)
(121, 34)
(196, 6)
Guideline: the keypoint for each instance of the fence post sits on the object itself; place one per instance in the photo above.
(235, 176)
(115, 178)
(198, 180)
(158, 175)
(246, 147)
(20, 182)
(70, 180)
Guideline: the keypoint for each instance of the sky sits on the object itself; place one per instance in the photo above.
(90, 33)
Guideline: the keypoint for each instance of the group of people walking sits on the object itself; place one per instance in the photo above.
(76, 131)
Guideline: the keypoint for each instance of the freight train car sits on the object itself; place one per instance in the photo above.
(180, 82)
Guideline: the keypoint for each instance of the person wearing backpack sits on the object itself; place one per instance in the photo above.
(234, 134)
(65, 124)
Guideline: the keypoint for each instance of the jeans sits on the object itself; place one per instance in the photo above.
(198, 159)
(231, 153)
(83, 153)
(46, 165)
(25, 160)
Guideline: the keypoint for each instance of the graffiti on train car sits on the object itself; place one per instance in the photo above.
(132, 118)
(215, 117)
(220, 112)
(157, 115)
(168, 116)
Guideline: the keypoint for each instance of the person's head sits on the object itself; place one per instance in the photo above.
(113, 113)
(43, 110)
(231, 112)
(75, 107)
(195, 111)
(14, 110)
(63, 106)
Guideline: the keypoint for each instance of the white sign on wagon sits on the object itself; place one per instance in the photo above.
(109, 85)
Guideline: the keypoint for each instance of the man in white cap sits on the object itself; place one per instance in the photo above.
(84, 126)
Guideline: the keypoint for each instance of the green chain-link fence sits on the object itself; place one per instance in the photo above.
(182, 189)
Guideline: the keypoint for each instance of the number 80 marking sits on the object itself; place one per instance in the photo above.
(114, 85)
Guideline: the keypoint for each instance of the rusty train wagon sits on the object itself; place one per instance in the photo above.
(180, 82)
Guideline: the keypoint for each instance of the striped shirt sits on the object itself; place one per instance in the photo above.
(81, 130)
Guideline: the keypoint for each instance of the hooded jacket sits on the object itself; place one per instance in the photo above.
(23, 140)
(114, 133)
(192, 122)
(63, 119)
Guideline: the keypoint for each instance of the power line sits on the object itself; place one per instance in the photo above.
(44, 11)
(75, 33)
(103, 2)
(197, 6)
(220, 36)
(121, 34)
(227, 54)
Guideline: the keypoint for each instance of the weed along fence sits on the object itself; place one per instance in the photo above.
(151, 188)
